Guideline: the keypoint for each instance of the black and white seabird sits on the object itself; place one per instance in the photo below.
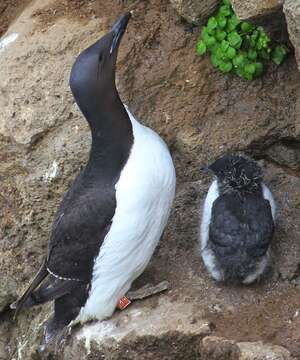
(111, 219)
(237, 222)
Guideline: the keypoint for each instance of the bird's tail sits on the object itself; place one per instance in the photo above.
(39, 277)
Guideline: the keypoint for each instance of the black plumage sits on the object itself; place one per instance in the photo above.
(81, 224)
(240, 232)
(85, 214)
(236, 242)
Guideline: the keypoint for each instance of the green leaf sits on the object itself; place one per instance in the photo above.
(234, 39)
(259, 68)
(204, 31)
(246, 27)
(263, 41)
(261, 29)
(254, 42)
(240, 47)
(252, 54)
(232, 23)
(254, 35)
(225, 10)
(244, 74)
(214, 60)
(264, 54)
(278, 55)
(247, 76)
(211, 42)
(224, 45)
(239, 60)
(201, 47)
(218, 52)
(263, 34)
(222, 21)
(220, 34)
(246, 41)
(259, 46)
(250, 68)
(207, 39)
(211, 24)
(230, 52)
(239, 71)
(225, 67)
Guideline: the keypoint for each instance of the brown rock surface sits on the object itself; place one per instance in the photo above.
(195, 11)
(9, 10)
(215, 348)
(252, 9)
(291, 10)
(201, 114)
(260, 351)
(8, 291)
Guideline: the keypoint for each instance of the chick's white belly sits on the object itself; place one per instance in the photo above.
(144, 195)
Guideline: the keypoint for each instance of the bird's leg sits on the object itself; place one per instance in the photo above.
(55, 337)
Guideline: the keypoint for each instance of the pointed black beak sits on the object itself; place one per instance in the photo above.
(205, 169)
(118, 30)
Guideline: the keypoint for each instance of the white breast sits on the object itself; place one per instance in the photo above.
(144, 195)
(207, 254)
(212, 195)
(268, 196)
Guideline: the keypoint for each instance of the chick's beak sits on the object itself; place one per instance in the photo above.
(205, 169)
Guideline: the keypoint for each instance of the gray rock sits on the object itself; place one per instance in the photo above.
(267, 13)
(8, 291)
(251, 9)
(195, 11)
(291, 9)
(260, 351)
(286, 153)
(217, 348)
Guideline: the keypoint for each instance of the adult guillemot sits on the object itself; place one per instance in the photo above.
(111, 219)
(238, 221)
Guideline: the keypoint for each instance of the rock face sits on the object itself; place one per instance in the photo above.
(195, 11)
(291, 9)
(253, 9)
(216, 348)
(267, 13)
(8, 291)
(260, 351)
(202, 114)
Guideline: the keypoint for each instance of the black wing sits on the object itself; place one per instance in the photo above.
(80, 226)
(241, 225)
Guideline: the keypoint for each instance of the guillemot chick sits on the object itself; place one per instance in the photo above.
(111, 219)
(237, 222)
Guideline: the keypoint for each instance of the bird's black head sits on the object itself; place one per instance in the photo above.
(235, 172)
(92, 79)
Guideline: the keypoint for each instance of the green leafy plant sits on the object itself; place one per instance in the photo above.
(236, 46)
